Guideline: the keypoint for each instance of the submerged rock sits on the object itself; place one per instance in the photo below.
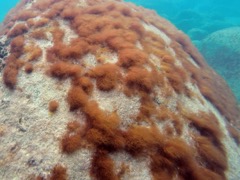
(189, 19)
(222, 51)
(102, 89)
(216, 25)
(197, 34)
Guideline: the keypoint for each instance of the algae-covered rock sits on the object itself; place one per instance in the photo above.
(102, 89)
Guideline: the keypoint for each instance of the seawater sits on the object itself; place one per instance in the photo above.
(5, 6)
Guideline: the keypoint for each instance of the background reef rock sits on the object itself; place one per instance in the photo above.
(100, 89)
(222, 50)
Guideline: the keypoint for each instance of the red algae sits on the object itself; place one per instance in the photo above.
(107, 76)
(76, 98)
(19, 29)
(140, 79)
(103, 166)
(62, 70)
(59, 173)
(53, 106)
(132, 57)
(28, 68)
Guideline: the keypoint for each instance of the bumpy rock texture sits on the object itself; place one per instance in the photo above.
(222, 51)
(100, 89)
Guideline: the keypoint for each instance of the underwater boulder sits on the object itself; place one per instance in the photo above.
(197, 43)
(188, 14)
(214, 25)
(102, 89)
(197, 34)
(188, 19)
(187, 24)
(222, 51)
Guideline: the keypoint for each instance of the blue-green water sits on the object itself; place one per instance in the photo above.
(5, 6)
(199, 20)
